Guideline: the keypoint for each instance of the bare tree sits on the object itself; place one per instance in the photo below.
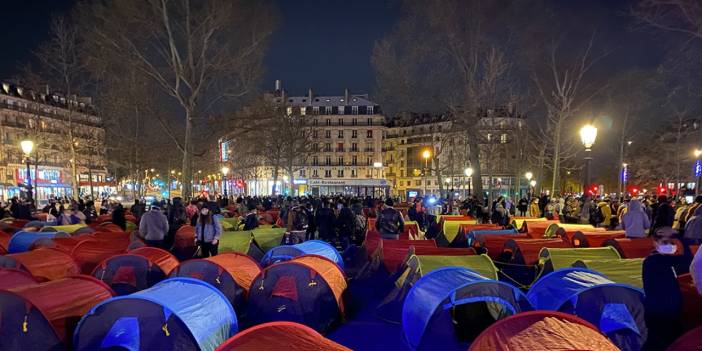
(679, 16)
(200, 54)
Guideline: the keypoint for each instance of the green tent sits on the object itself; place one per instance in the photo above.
(69, 228)
(238, 241)
(451, 228)
(241, 242)
(479, 263)
(556, 258)
(268, 238)
(625, 271)
(229, 224)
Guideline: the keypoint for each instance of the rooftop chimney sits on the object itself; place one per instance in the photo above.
(310, 96)
(346, 96)
(278, 85)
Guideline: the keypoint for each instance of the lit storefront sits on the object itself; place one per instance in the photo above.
(46, 182)
(352, 187)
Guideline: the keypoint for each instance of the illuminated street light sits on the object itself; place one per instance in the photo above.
(426, 154)
(528, 175)
(532, 183)
(588, 135)
(27, 146)
(469, 173)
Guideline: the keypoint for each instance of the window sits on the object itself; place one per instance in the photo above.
(301, 173)
(354, 133)
(341, 133)
(315, 160)
(327, 110)
(417, 183)
(315, 122)
(341, 121)
(340, 147)
(315, 147)
(503, 138)
(354, 122)
(354, 147)
(369, 134)
(340, 173)
(401, 183)
(354, 160)
(327, 147)
(353, 173)
(327, 173)
(369, 110)
(315, 110)
(354, 110)
(315, 133)
(327, 134)
(369, 121)
(368, 161)
(289, 111)
(341, 110)
(341, 161)
(314, 173)
(328, 121)
(303, 111)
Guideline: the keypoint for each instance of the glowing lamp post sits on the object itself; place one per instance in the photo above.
(469, 173)
(426, 155)
(225, 171)
(529, 176)
(27, 147)
(588, 134)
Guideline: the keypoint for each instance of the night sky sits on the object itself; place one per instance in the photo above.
(326, 44)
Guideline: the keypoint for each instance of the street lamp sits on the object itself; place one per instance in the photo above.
(698, 170)
(225, 171)
(426, 155)
(528, 175)
(378, 166)
(27, 146)
(533, 185)
(588, 134)
(469, 173)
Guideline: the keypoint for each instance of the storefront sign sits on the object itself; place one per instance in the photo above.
(49, 176)
(348, 182)
(299, 181)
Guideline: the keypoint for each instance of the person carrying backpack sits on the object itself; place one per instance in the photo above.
(390, 222)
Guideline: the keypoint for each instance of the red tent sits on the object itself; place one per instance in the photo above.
(592, 239)
(394, 252)
(4, 242)
(64, 244)
(526, 251)
(636, 247)
(42, 264)
(541, 330)
(279, 336)
(12, 278)
(493, 244)
(690, 341)
(537, 229)
(43, 316)
(162, 258)
(692, 302)
(184, 244)
(90, 253)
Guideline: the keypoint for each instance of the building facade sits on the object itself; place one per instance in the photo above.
(45, 119)
(501, 132)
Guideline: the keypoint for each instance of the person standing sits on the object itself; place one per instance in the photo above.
(523, 206)
(153, 227)
(635, 221)
(324, 220)
(346, 225)
(118, 217)
(390, 222)
(207, 233)
(664, 214)
(534, 210)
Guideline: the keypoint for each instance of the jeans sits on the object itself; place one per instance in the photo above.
(154, 243)
(208, 249)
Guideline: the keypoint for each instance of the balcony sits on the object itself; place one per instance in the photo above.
(340, 149)
(369, 149)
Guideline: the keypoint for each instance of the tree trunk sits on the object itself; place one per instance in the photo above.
(186, 180)
(474, 156)
(276, 169)
(74, 169)
(556, 156)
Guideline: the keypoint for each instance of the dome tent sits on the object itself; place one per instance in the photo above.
(280, 336)
(456, 294)
(307, 289)
(616, 309)
(162, 258)
(175, 314)
(129, 273)
(231, 273)
(22, 241)
(42, 264)
(311, 247)
(12, 278)
(541, 330)
(40, 317)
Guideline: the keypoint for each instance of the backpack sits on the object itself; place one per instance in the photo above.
(299, 219)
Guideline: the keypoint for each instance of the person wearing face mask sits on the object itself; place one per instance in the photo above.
(207, 233)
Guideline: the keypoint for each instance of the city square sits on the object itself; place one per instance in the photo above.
(351, 175)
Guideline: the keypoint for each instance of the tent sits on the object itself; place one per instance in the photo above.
(175, 314)
(450, 227)
(464, 229)
(22, 241)
(450, 306)
(241, 242)
(307, 290)
(521, 223)
(690, 341)
(473, 233)
(632, 248)
(184, 242)
(12, 278)
(312, 247)
(556, 258)
(592, 239)
(276, 336)
(616, 309)
(84, 231)
(4, 242)
(70, 228)
(393, 252)
(162, 258)
(65, 244)
(691, 302)
(536, 229)
(231, 273)
(42, 264)
(268, 238)
(542, 330)
(622, 270)
(390, 309)
(562, 229)
(42, 316)
(526, 251)
(129, 273)
(89, 253)
(492, 244)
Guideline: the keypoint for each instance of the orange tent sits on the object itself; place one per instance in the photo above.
(42, 264)
(4, 242)
(541, 330)
(592, 239)
(184, 244)
(537, 229)
(492, 244)
(162, 258)
(12, 278)
(277, 336)
(636, 247)
(90, 253)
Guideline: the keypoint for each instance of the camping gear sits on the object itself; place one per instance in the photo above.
(558, 230)
(41, 317)
(541, 330)
(22, 241)
(311, 247)
(551, 258)
(526, 251)
(616, 309)
(89, 253)
(691, 302)
(536, 229)
(492, 244)
(592, 238)
(286, 336)
(175, 314)
(450, 306)
(393, 252)
(42, 264)
(4, 242)
(465, 229)
(624, 271)
(162, 258)
(12, 278)
(241, 242)
(306, 289)
(60, 243)
(69, 228)
(138, 270)
(231, 273)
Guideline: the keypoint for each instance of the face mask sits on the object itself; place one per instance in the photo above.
(204, 211)
(666, 249)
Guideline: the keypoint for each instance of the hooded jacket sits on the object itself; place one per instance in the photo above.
(635, 221)
(693, 227)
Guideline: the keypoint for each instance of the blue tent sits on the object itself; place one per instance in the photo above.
(311, 247)
(447, 308)
(175, 314)
(22, 241)
(616, 309)
(471, 236)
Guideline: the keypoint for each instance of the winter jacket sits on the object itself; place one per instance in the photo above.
(664, 216)
(153, 225)
(390, 223)
(346, 223)
(635, 221)
(325, 220)
(693, 228)
(606, 213)
(208, 232)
